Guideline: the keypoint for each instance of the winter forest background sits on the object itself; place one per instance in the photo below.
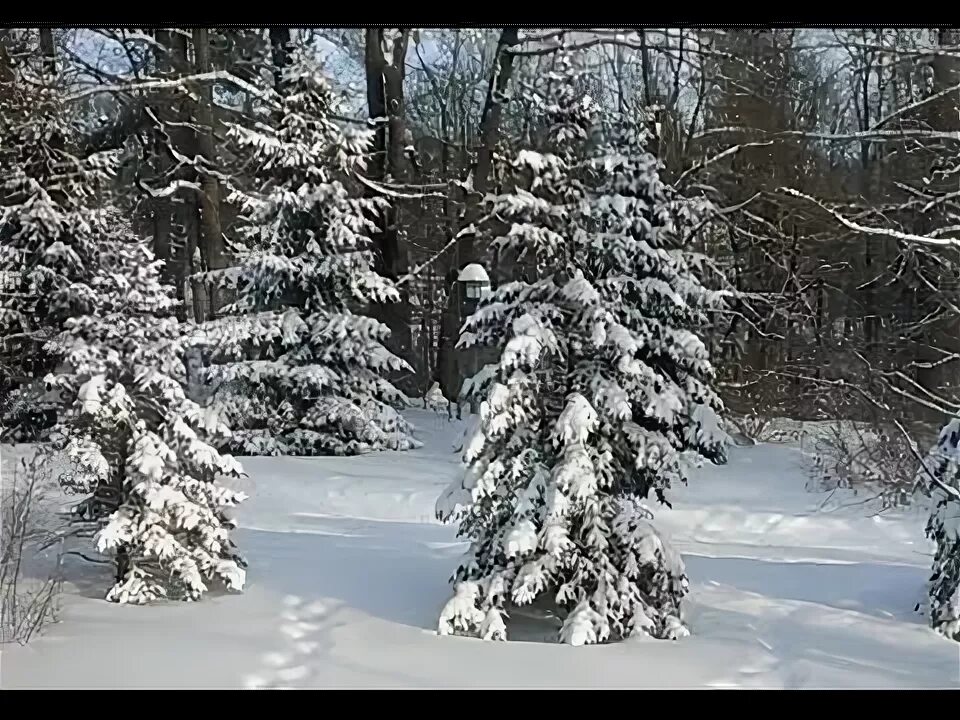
(614, 255)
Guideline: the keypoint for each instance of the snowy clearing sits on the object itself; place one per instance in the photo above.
(349, 569)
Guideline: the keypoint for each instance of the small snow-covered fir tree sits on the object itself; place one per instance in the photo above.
(141, 451)
(942, 478)
(314, 368)
(601, 388)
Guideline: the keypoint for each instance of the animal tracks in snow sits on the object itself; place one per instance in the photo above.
(300, 623)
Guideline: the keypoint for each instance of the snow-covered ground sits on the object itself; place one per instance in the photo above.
(349, 569)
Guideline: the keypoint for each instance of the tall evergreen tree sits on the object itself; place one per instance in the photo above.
(48, 229)
(601, 386)
(140, 449)
(315, 365)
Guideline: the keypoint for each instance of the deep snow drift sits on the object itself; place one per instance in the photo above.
(349, 569)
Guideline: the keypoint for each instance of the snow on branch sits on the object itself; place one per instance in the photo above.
(384, 190)
(914, 105)
(730, 209)
(177, 83)
(874, 134)
(719, 156)
(953, 492)
(885, 232)
(170, 189)
(429, 261)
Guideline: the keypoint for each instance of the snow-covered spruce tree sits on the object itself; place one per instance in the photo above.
(48, 231)
(942, 478)
(601, 387)
(141, 451)
(314, 368)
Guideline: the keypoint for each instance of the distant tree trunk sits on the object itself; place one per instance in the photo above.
(212, 246)
(280, 52)
(6, 65)
(384, 76)
(49, 52)
(489, 136)
(385, 105)
(376, 100)
(645, 67)
(163, 207)
(172, 212)
(941, 337)
(466, 248)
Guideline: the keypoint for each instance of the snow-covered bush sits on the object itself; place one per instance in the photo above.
(143, 454)
(601, 389)
(864, 457)
(435, 400)
(320, 366)
(750, 429)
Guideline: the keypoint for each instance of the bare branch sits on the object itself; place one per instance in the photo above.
(178, 83)
(883, 232)
(469, 229)
(719, 156)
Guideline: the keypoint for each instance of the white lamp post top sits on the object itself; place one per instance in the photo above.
(474, 273)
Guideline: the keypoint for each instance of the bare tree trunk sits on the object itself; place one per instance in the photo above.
(943, 337)
(163, 207)
(6, 64)
(49, 53)
(376, 100)
(645, 67)
(170, 212)
(212, 246)
(385, 105)
(466, 248)
(489, 136)
(280, 52)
